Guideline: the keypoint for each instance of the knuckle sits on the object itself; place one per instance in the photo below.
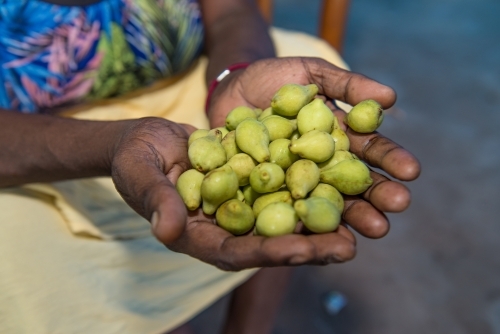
(305, 251)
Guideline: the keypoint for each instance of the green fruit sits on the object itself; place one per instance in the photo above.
(239, 196)
(252, 138)
(365, 117)
(350, 177)
(337, 157)
(250, 195)
(237, 115)
(222, 129)
(276, 219)
(330, 193)
(242, 164)
(318, 214)
(257, 111)
(295, 135)
(206, 153)
(266, 199)
(235, 217)
(189, 188)
(279, 127)
(315, 145)
(267, 112)
(218, 186)
(336, 124)
(267, 177)
(291, 98)
(229, 144)
(341, 140)
(197, 134)
(280, 153)
(302, 177)
(315, 116)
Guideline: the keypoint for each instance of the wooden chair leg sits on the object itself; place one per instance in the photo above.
(266, 7)
(334, 15)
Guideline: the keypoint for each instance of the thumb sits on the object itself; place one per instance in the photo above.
(346, 86)
(168, 212)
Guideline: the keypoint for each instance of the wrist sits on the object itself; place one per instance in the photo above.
(221, 79)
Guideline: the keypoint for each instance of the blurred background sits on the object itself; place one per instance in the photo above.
(438, 270)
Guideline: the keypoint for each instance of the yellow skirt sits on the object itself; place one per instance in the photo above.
(74, 258)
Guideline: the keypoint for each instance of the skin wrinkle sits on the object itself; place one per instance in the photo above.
(351, 201)
(311, 252)
(262, 254)
(222, 261)
(344, 231)
(347, 207)
(308, 71)
(335, 256)
(237, 263)
(376, 183)
(346, 90)
(371, 143)
(145, 205)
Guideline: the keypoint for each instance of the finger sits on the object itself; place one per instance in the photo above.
(149, 192)
(216, 246)
(347, 86)
(364, 218)
(170, 213)
(383, 153)
(387, 195)
(161, 203)
(286, 250)
(344, 231)
(332, 248)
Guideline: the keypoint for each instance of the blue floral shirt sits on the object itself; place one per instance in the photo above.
(53, 53)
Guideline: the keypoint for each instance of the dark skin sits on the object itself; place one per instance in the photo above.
(144, 157)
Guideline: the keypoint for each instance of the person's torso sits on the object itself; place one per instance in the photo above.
(61, 52)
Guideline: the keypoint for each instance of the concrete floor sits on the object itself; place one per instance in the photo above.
(438, 270)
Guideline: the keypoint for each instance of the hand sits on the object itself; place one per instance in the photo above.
(146, 162)
(255, 87)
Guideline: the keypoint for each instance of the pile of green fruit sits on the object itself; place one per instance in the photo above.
(266, 170)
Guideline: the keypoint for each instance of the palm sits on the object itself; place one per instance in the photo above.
(255, 87)
(210, 243)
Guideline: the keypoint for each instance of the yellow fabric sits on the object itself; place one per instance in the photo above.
(74, 258)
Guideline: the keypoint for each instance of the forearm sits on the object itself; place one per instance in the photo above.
(41, 148)
(235, 32)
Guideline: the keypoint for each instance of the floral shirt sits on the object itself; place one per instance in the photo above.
(59, 52)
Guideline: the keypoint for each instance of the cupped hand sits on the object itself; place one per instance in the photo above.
(147, 161)
(153, 154)
(255, 87)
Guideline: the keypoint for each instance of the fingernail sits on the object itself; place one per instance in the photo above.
(154, 220)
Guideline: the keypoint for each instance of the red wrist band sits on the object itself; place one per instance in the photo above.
(213, 84)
